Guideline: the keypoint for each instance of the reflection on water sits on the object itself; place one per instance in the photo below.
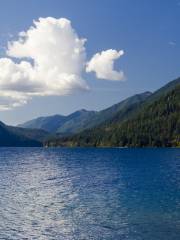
(131, 194)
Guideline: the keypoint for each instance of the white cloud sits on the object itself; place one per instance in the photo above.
(53, 60)
(103, 65)
(49, 59)
(11, 99)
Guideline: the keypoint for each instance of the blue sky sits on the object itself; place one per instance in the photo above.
(147, 31)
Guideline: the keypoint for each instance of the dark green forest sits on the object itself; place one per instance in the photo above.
(156, 123)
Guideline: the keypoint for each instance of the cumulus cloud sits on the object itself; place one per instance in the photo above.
(49, 59)
(103, 65)
(10, 99)
(52, 58)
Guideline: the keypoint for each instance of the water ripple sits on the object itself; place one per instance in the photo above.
(83, 194)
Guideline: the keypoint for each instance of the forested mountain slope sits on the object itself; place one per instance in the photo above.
(19, 137)
(156, 123)
(83, 119)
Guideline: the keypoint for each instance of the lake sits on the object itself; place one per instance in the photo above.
(89, 193)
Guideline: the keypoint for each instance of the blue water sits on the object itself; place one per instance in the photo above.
(81, 194)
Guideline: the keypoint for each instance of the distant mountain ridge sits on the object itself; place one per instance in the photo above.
(49, 123)
(147, 119)
(153, 122)
(82, 119)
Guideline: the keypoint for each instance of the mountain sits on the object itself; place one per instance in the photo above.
(59, 124)
(19, 137)
(76, 122)
(147, 119)
(133, 110)
(83, 119)
(163, 90)
(50, 123)
(154, 122)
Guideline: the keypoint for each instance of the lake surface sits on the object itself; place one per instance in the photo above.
(111, 194)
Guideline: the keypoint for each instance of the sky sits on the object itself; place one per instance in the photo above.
(59, 56)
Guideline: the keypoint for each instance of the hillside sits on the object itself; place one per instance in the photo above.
(19, 137)
(76, 122)
(156, 122)
(50, 123)
(83, 119)
(133, 110)
(9, 138)
(163, 90)
(37, 134)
